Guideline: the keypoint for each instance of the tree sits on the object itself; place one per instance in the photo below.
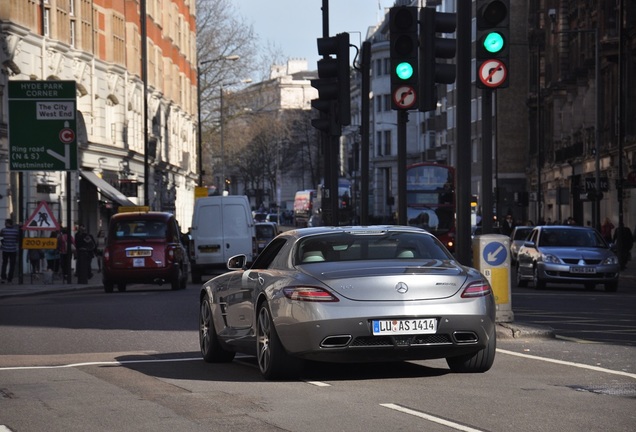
(221, 33)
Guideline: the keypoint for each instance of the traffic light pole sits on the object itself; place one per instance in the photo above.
(486, 156)
(402, 119)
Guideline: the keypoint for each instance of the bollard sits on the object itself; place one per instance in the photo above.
(491, 256)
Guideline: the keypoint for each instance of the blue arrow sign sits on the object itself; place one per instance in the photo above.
(495, 253)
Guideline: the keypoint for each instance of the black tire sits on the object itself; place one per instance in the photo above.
(611, 286)
(108, 286)
(196, 276)
(211, 349)
(479, 362)
(520, 282)
(273, 361)
(175, 283)
(590, 286)
(121, 287)
(538, 283)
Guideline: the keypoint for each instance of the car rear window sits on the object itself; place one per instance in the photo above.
(265, 231)
(381, 246)
(130, 229)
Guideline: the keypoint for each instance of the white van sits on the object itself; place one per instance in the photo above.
(222, 226)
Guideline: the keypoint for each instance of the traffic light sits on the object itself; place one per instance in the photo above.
(493, 40)
(404, 52)
(432, 50)
(333, 84)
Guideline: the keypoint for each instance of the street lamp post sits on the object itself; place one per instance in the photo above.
(222, 121)
(200, 133)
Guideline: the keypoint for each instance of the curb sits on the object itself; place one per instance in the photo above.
(520, 330)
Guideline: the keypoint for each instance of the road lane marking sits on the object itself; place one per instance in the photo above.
(567, 363)
(430, 418)
(100, 363)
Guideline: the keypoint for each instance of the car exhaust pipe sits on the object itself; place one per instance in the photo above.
(338, 341)
(465, 337)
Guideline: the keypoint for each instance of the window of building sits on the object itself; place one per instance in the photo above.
(47, 22)
(387, 143)
(379, 143)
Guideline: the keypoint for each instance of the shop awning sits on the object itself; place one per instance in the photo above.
(106, 189)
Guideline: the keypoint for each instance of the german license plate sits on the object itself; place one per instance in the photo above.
(139, 262)
(405, 326)
(585, 270)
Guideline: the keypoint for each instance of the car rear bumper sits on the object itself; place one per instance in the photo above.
(352, 340)
(561, 273)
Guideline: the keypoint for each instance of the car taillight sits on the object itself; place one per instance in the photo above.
(170, 254)
(311, 294)
(476, 289)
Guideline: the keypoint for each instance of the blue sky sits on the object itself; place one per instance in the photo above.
(294, 25)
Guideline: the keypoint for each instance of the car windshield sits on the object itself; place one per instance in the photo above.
(139, 229)
(571, 238)
(348, 246)
(521, 234)
(265, 231)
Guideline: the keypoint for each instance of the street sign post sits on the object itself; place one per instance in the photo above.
(42, 126)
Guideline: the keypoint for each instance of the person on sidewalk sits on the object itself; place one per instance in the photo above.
(10, 244)
(624, 242)
(85, 246)
(66, 247)
(606, 230)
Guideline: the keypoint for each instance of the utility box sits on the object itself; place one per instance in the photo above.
(491, 256)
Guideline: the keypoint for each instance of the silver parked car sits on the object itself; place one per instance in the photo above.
(517, 239)
(567, 254)
(349, 294)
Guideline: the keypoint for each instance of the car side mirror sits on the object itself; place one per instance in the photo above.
(237, 262)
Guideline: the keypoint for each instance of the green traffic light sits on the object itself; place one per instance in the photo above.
(404, 70)
(493, 42)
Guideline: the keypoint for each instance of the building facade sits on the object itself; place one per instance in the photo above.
(136, 104)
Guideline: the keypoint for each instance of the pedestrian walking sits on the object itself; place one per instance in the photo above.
(99, 251)
(85, 246)
(606, 229)
(52, 256)
(624, 241)
(66, 248)
(10, 245)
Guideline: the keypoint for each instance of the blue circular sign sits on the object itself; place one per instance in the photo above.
(495, 253)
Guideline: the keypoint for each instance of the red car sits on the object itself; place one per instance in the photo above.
(144, 247)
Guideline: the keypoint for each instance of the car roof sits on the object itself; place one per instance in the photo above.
(151, 215)
(313, 231)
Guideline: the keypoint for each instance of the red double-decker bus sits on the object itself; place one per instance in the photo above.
(430, 200)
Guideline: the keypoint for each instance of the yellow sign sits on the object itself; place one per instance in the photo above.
(39, 243)
(200, 192)
(130, 209)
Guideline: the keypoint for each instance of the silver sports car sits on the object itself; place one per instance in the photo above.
(349, 294)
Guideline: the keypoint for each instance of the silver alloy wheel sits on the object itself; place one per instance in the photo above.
(263, 336)
(204, 328)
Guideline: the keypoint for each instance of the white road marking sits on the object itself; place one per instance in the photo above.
(568, 363)
(431, 418)
(318, 383)
(102, 363)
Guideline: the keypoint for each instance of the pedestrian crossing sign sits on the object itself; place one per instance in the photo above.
(42, 219)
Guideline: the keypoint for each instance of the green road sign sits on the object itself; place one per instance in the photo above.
(42, 126)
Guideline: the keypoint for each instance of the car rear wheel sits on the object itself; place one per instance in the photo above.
(538, 283)
(175, 283)
(479, 362)
(520, 281)
(196, 277)
(273, 361)
(211, 349)
(108, 286)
